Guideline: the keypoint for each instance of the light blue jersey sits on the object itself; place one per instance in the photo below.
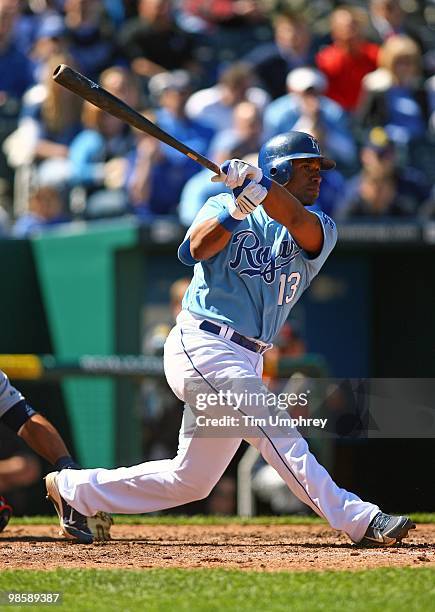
(254, 282)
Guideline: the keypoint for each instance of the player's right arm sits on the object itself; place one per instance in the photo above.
(211, 236)
(216, 221)
(208, 238)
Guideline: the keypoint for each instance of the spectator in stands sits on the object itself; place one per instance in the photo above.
(15, 77)
(243, 138)
(15, 67)
(379, 195)
(91, 36)
(214, 106)
(230, 13)
(242, 141)
(149, 177)
(233, 27)
(379, 158)
(157, 173)
(49, 122)
(153, 42)
(50, 40)
(168, 168)
(121, 82)
(305, 106)
(25, 27)
(113, 199)
(116, 10)
(46, 209)
(31, 19)
(97, 154)
(348, 59)
(398, 100)
(386, 19)
(293, 46)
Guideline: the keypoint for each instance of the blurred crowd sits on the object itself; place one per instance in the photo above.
(222, 76)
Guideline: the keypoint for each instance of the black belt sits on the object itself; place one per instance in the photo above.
(251, 345)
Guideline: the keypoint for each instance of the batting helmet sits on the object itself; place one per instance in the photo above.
(276, 155)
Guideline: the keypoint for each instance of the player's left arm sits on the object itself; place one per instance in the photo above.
(279, 204)
(303, 225)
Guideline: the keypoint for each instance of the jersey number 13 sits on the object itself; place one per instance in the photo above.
(291, 282)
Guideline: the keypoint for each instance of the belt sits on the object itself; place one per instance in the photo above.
(251, 345)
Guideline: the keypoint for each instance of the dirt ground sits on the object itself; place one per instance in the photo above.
(263, 548)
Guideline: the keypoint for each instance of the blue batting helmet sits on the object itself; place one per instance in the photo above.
(276, 155)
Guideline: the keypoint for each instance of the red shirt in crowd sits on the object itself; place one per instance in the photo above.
(345, 70)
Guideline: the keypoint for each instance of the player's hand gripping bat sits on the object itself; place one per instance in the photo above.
(90, 91)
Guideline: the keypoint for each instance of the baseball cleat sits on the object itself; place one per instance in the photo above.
(73, 525)
(5, 513)
(386, 530)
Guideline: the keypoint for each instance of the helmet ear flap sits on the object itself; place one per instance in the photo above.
(281, 172)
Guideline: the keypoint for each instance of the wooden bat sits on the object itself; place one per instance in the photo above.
(90, 91)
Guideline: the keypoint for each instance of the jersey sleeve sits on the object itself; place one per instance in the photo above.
(329, 230)
(211, 209)
(9, 396)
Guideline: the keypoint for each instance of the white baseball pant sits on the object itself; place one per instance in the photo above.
(201, 460)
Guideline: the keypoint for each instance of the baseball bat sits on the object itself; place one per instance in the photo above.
(90, 91)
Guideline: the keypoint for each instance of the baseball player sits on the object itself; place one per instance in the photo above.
(255, 251)
(44, 439)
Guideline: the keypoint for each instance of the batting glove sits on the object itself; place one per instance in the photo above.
(235, 172)
(246, 200)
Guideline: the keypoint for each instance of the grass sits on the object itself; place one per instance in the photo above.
(208, 590)
(199, 519)
(217, 590)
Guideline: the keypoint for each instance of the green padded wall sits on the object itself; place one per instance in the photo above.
(77, 272)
